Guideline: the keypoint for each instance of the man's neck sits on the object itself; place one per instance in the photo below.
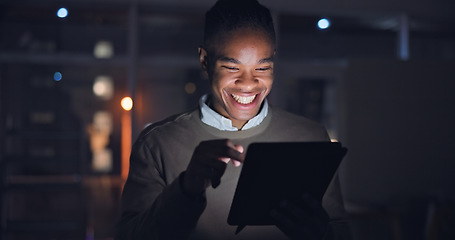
(212, 117)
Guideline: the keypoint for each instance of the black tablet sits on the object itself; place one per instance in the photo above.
(273, 172)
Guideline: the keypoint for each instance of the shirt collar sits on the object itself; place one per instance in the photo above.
(216, 120)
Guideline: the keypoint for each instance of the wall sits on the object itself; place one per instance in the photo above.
(398, 123)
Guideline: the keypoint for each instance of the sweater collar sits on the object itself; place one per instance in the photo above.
(216, 120)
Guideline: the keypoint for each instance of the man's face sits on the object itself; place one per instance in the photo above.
(240, 70)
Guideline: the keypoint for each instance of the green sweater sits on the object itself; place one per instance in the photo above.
(153, 204)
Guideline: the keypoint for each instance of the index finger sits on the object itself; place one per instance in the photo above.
(224, 150)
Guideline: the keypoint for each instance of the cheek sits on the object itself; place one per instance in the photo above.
(221, 80)
(268, 82)
(217, 86)
(214, 79)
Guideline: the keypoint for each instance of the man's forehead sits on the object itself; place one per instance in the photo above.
(225, 39)
(222, 58)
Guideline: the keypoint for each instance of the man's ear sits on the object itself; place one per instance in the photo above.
(203, 58)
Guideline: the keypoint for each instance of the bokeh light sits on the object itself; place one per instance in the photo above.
(190, 88)
(103, 49)
(58, 76)
(127, 103)
(323, 23)
(62, 13)
(103, 87)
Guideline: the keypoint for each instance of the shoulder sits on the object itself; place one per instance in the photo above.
(171, 125)
(284, 117)
(293, 124)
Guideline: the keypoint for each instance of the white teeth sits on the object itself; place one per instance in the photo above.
(244, 100)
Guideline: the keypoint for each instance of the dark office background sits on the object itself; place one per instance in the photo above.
(381, 78)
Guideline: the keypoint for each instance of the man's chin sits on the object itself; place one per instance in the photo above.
(245, 117)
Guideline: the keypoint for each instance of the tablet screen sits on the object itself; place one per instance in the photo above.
(273, 172)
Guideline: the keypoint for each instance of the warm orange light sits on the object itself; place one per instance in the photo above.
(126, 144)
(127, 103)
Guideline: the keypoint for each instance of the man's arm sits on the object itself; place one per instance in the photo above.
(151, 209)
(333, 203)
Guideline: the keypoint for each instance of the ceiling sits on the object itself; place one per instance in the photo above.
(425, 15)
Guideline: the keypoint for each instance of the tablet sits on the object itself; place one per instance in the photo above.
(273, 172)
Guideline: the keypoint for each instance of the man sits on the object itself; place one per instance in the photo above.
(184, 170)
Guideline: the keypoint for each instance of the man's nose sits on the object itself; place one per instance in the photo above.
(247, 81)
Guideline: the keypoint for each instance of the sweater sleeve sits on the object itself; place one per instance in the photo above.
(333, 203)
(152, 209)
(339, 226)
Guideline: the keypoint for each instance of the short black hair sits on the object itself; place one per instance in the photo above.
(228, 15)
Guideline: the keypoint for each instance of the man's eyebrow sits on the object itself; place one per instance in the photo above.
(266, 60)
(236, 61)
(230, 60)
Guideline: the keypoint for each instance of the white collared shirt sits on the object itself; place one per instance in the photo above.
(216, 120)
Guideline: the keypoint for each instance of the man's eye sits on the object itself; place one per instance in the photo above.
(263, 68)
(231, 68)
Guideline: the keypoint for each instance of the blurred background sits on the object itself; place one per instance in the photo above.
(380, 75)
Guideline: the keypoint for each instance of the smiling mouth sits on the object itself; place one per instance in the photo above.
(243, 100)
